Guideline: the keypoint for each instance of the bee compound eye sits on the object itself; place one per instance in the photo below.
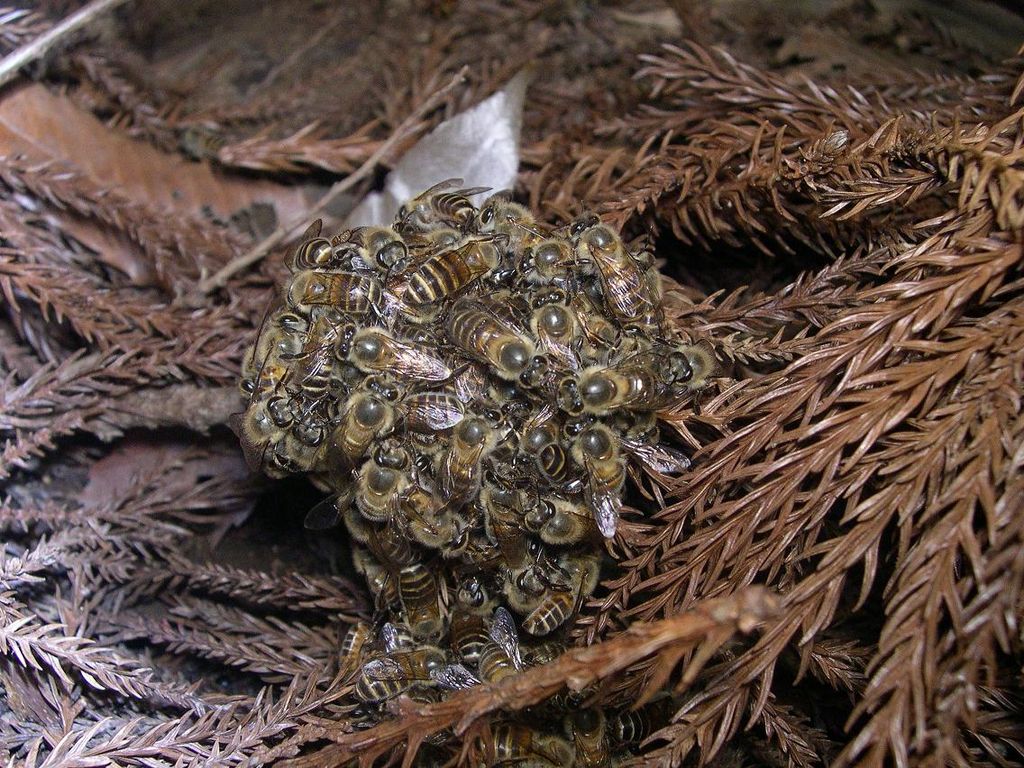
(391, 254)
(539, 515)
(487, 215)
(291, 322)
(280, 411)
(682, 368)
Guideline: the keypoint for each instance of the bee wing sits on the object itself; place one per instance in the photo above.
(382, 669)
(414, 361)
(455, 677)
(358, 263)
(663, 459)
(326, 514)
(544, 415)
(563, 353)
(437, 410)
(469, 382)
(390, 638)
(503, 632)
(604, 503)
(446, 184)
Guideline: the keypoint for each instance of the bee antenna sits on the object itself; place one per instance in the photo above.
(520, 224)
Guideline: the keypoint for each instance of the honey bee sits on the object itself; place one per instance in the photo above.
(354, 294)
(438, 208)
(630, 291)
(356, 639)
(468, 630)
(313, 254)
(503, 523)
(553, 462)
(315, 362)
(467, 635)
(476, 331)
(542, 440)
(430, 522)
(441, 239)
(365, 418)
(569, 397)
(545, 652)
(644, 381)
(500, 655)
(274, 347)
(499, 215)
(598, 334)
(597, 451)
(559, 522)
(588, 728)
(388, 677)
(448, 272)
(555, 327)
(460, 472)
(550, 261)
(432, 411)
(382, 584)
(419, 591)
(379, 490)
(525, 587)
(372, 248)
(257, 432)
(551, 612)
(524, 746)
(559, 604)
(702, 361)
(374, 350)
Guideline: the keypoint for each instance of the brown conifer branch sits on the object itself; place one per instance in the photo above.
(26, 54)
(712, 622)
(406, 129)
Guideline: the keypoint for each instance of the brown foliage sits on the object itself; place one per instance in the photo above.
(851, 243)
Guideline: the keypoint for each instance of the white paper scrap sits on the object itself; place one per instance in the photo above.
(479, 146)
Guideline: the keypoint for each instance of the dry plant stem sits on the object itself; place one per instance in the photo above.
(700, 632)
(28, 53)
(407, 128)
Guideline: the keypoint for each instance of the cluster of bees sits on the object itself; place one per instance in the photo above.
(471, 388)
